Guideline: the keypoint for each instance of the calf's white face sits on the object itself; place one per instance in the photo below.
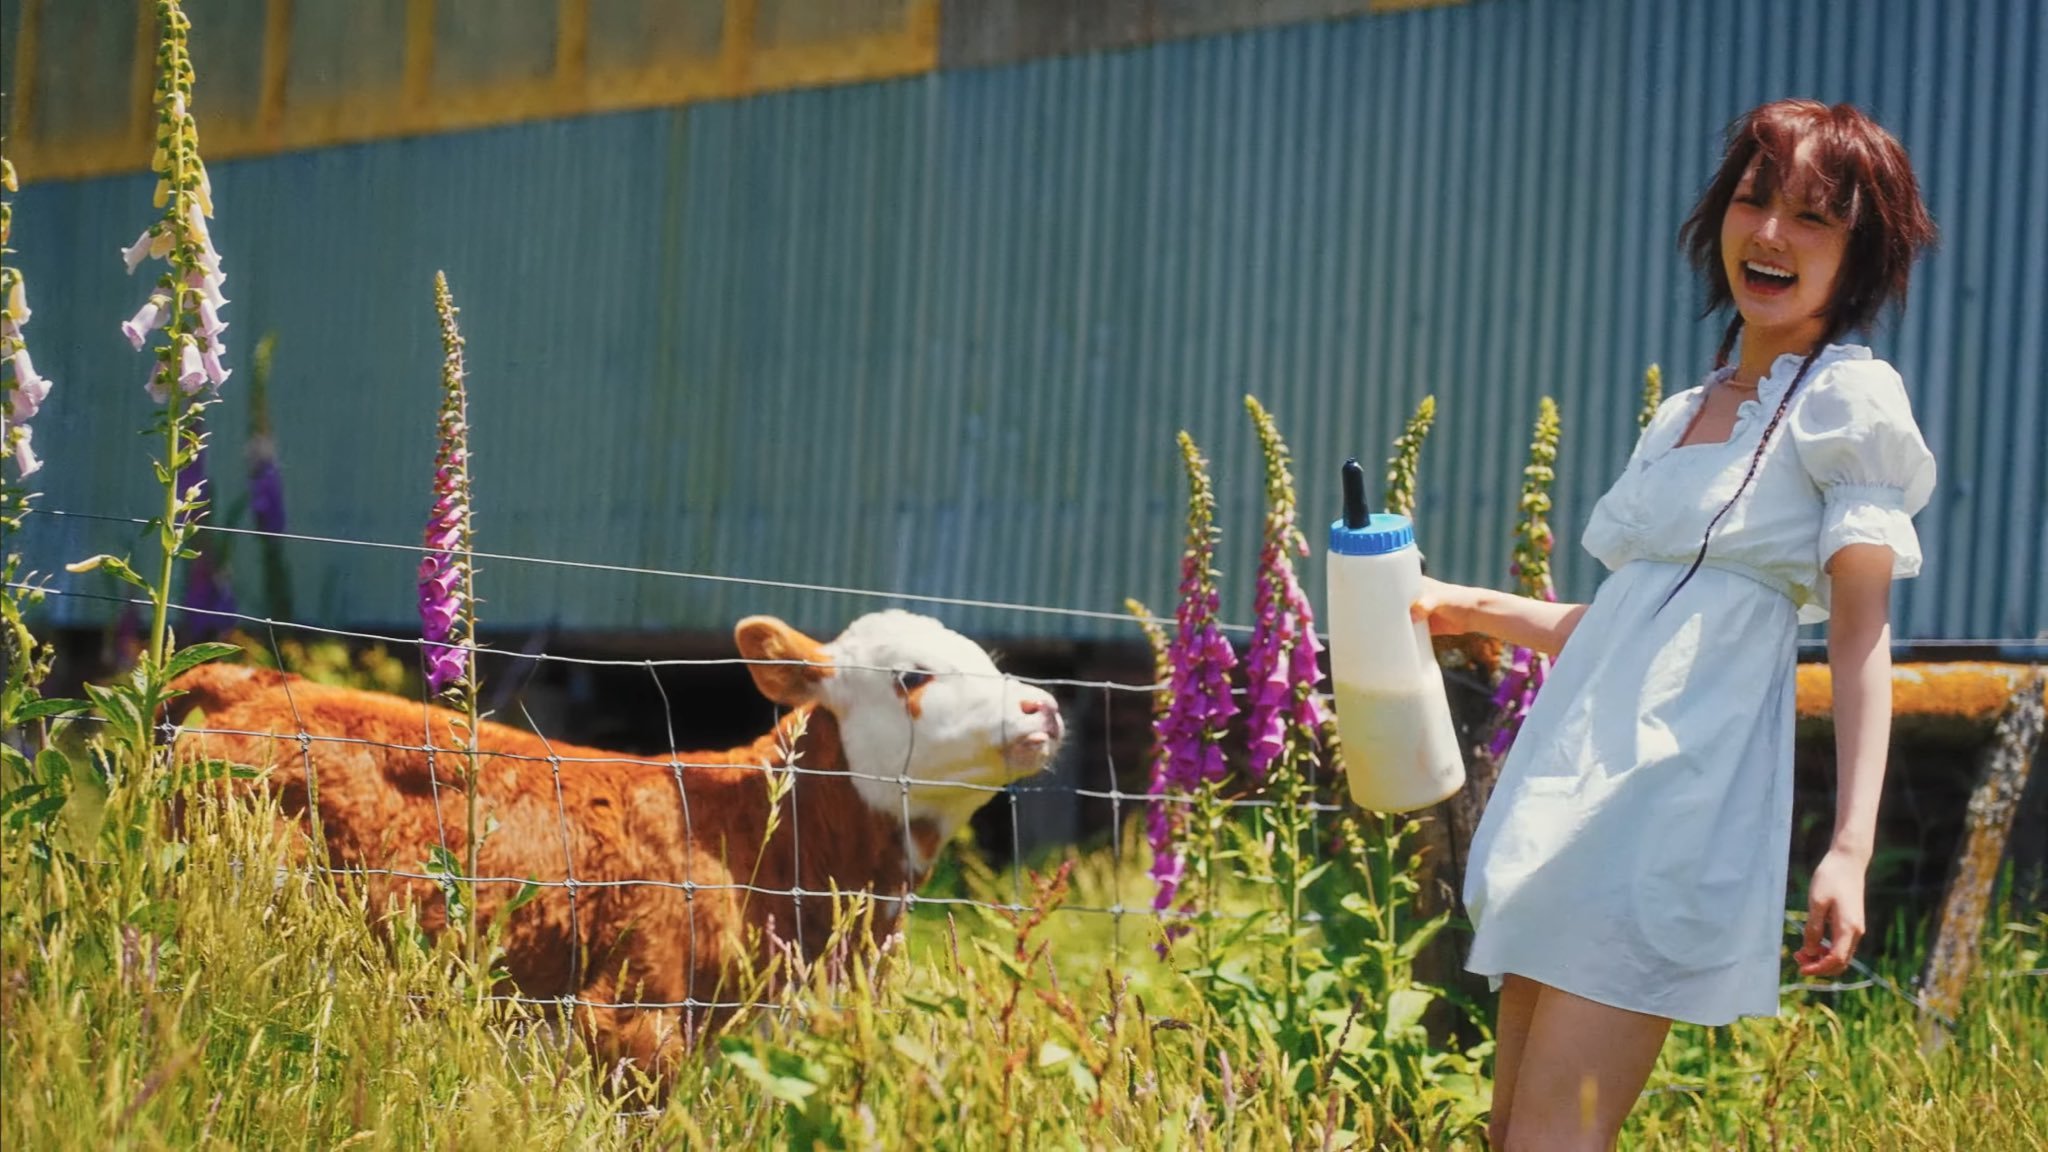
(930, 728)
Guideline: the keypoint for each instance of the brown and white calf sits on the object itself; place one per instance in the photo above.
(662, 883)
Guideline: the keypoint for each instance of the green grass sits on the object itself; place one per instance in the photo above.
(214, 997)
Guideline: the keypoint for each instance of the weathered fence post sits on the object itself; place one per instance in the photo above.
(2007, 761)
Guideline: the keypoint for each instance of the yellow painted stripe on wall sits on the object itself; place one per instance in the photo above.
(416, 106)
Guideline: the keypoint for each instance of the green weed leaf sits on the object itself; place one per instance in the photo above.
(189, 658)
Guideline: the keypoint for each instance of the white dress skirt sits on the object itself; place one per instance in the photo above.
(1634, 851)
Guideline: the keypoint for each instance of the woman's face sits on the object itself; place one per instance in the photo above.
(1781, 255)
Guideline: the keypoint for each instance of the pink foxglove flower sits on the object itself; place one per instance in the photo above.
(154, 314)
(1521, 677)
(25, 397)
(209, 359)
(446, 627)
(191, 373)
(22, 389)
(154, 244)
(210, 323)
(1280, 668)
(180, 237)
(1190, 731)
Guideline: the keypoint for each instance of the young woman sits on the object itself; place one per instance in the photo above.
(1630, 867)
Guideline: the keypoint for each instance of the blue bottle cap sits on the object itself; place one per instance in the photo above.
(1384, 532)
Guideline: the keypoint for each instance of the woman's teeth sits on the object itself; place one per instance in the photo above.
(1763, 275)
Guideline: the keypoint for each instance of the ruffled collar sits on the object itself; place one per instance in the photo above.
(1750, 414)
(1771, 389)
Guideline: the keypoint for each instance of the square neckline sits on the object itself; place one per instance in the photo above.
(1744, 411)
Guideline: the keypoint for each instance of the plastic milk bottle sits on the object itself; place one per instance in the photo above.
(1400, 750)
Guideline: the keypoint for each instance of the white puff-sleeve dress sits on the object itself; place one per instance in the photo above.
(1634, 851)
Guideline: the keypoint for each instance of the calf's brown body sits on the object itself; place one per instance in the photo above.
(662, 884)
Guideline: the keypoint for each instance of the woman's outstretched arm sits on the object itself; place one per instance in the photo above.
(1455, 609)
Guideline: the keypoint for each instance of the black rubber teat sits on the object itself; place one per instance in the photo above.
(1356, 514)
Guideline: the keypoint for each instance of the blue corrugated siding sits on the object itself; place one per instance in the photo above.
(935, 336)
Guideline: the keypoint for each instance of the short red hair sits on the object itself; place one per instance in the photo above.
(1855, 169)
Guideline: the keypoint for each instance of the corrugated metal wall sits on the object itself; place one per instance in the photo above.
(936, 335)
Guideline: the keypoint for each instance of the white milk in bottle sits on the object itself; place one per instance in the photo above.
(1401, 751)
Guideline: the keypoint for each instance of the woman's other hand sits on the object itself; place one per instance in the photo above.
(1834, 915)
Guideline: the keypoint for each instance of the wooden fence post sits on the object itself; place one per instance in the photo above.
(2006, 763)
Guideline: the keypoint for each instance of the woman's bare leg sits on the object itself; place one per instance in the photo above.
(1510, 1032)
(1581, 1069)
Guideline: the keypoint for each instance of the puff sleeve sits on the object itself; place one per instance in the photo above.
(1855, 435)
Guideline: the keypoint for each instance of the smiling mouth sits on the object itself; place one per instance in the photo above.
(1765, 278)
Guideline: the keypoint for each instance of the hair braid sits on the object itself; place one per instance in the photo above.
(1756, 458)
(1728, 341)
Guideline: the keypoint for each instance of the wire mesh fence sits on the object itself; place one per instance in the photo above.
(590, 897)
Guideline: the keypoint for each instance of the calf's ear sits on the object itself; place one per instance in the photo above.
(786, 664)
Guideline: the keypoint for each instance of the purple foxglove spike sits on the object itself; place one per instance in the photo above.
(158, 373)
(266, 497)
(210, 323)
